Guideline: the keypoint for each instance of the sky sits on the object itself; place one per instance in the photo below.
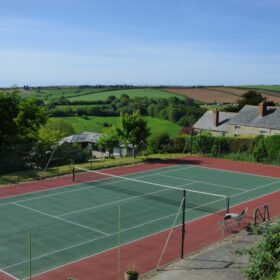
(147, 42)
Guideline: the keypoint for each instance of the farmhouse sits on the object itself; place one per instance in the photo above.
(249, 121)
(256, 120)
(215, 122)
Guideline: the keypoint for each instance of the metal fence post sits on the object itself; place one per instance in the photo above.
(183, 225)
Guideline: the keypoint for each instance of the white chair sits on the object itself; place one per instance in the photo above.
(236, 217)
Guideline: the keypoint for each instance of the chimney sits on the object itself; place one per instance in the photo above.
(216, 117)
(262, 109)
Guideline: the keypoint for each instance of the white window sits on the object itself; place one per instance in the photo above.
(263, 132)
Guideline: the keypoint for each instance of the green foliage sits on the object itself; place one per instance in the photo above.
(260, 151)
(54, 130)
(273, 145)
(250, 97)
(158, 143)
(178, 110)
(133, 129)
(109, 140)
(20, 118)
(98, 124)
(264, 258)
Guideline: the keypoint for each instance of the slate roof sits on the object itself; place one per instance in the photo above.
(249, 116)
(85, 137)
(206, 121)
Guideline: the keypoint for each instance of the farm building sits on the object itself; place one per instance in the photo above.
(249, 121)
(90, 140)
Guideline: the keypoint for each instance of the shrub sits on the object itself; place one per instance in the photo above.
(264, 258)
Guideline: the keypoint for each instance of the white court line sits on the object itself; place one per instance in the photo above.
(112, 234)
(203, 182)
(237, 172)
(75, 190)
(75, 184)
(9, 275)
(116, 202)
(155, 184)
(61, 219)
(89, 241)
(191, 221)
(254, 189)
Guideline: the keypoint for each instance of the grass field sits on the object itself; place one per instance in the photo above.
(263, 87)
(77, 221)
(49, 93)
(149, 92)
(96, 124)
(91, 93)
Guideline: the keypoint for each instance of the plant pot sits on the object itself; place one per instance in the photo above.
(131, 276)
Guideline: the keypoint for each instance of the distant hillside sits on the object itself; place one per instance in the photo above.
(212, 95)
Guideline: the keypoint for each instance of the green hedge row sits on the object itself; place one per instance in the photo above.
(261, 148)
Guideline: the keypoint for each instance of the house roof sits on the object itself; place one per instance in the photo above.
(249, 116)
(206, 121)
(85, 137)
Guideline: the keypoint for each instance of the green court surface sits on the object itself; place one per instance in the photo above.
(70, 223)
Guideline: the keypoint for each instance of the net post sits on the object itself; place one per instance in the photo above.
(227, 204)
(73, 174)
(183, 224)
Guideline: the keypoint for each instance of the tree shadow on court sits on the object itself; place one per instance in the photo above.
(177, 161)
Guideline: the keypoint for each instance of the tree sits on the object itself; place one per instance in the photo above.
(133, 129)
(55, 130)
(109, 140)
(159, 143)
(250, 97)
(21, 119)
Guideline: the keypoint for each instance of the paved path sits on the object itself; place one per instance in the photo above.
(218, 262)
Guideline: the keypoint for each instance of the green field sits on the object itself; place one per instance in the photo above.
(148, 92)
(263, 87)
(96, 124)
(49, 93)
(93, 93)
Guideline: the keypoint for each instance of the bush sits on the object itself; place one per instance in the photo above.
(260, 151)
(158, 143)
(264, 258)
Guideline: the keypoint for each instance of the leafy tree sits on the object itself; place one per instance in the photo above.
(55, 130)
(158, 143)
(260, 151)
(109, 140)
(250, 97)
(20, 118)
(133, 129)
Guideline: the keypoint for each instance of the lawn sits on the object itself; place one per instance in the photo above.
(147, 92)
(97, 124)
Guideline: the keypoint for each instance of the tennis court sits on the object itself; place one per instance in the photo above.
(99, 212)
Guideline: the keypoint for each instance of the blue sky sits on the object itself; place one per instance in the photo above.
(147, 42)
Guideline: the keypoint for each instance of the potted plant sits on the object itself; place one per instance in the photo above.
(131, 273)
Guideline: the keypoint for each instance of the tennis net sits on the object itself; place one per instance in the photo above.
(133, 186)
